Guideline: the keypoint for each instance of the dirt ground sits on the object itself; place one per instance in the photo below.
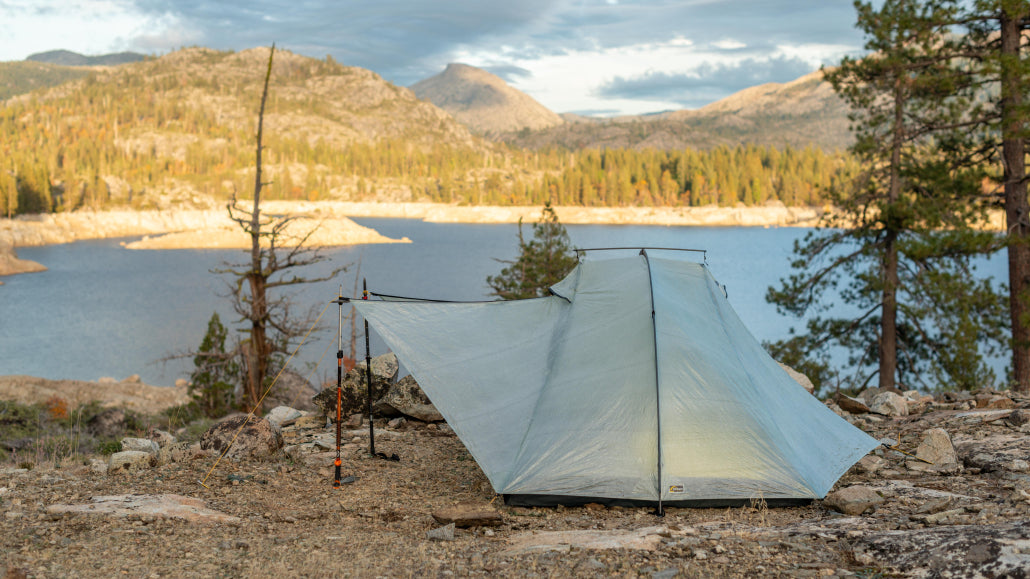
(972, 519)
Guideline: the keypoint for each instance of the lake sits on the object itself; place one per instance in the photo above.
(105, 311)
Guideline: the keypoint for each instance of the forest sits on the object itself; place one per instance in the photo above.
(122, 139)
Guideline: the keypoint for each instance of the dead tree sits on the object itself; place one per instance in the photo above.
(274, 261)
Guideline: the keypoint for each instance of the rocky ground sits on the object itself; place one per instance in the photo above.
(178, 511)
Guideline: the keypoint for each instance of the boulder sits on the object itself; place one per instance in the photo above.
(161, 437)
(936, 448)
(257, 438)
(1018, 418)
(292, 390)
(281, 414)
(384, 367)
(849, 404)
(131, 461)
(108, 424)
(798, 377)
(354, 395)
(407, 399)
(871, 464)
(889, 404)
(140, 444)
(853, 500)
(178, 452)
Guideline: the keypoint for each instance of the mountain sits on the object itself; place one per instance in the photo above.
(798, 114)
(47, 69)
(20, 77)
(69, 58)
(180, 129)
(483, 101)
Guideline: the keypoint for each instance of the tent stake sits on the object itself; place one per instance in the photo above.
(368, 377)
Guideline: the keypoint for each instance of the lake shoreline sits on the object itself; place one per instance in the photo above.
(331, 221)
(210, 228)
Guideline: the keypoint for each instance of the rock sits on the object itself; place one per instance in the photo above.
(178, 452)
(1018, 418)
(396, 423)
(166, 506)
(281, 414)
(309, 422)
(936, 448)
(354, 421)
(98, 466)
(140, 444)
(109, 424)
(384, 367)
(130, 461)
(354, 395)
(889, 404)
(444, 533)
(10, 264)
(469, 514)
(161, 437)
(645, 539)
(798, 377)
(993, 453)
(292, 390)
(849, 404)
(871, 464)
(994, 402)
(257, 438)
(959, 551)
(406, 398)
(853, 500)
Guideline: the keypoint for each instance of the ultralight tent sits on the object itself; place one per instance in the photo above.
(633, 383)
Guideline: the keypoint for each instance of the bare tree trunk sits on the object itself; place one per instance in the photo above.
(1016, 205)
(889, 297)
(258, 350)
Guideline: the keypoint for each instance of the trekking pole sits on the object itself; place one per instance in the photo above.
(368, 377)
(339, 394)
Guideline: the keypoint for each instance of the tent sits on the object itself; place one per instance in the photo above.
(634, 382)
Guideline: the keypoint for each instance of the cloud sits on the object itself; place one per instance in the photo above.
(706, 83)
(729, 44)
(508, 72)
(563, 52)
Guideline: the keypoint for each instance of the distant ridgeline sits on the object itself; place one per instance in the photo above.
(160, 131)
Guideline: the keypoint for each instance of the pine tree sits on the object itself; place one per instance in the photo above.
(997, 44)
(903, 239)
(217, 372)
(542, 262)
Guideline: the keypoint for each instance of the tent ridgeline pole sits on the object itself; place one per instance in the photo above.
(339, 394)
(368, 377)
(658, 392)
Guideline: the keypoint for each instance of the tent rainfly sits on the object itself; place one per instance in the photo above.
(633, 383)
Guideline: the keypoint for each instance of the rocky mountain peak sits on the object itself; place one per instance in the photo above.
(483, 101)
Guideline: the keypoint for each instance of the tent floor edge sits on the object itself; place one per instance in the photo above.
(532, 500)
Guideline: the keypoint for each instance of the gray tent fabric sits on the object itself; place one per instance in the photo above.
(634, 381)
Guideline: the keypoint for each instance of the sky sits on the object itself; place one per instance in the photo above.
(596, 57)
